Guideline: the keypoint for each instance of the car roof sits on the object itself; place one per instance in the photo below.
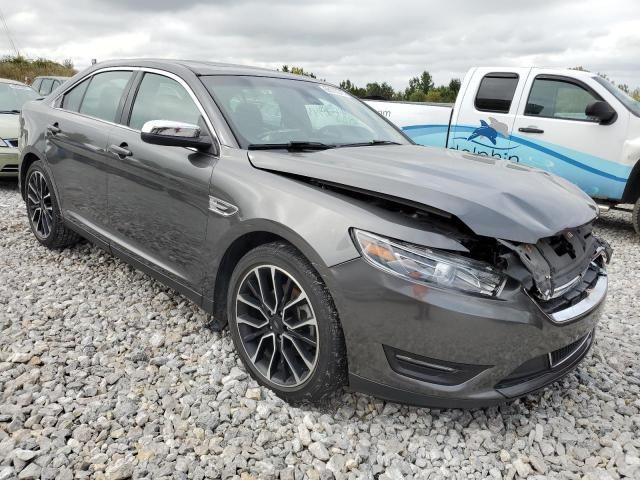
(203, 68)
(14, 82)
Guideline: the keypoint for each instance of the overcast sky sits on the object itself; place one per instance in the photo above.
(371, 40)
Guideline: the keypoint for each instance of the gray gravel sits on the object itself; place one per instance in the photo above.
(105, 373)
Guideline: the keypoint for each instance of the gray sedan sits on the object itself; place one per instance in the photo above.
(335, 250)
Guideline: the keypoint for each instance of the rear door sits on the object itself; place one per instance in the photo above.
(552, 132)
(76, 147)
(158, 195)
(484, 120)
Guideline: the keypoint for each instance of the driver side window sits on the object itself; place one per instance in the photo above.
(162, 98)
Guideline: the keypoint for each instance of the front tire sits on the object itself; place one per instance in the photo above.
(43, 210)
(284, 324)
(636, 217)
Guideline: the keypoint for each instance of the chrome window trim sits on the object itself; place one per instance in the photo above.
(157, 71)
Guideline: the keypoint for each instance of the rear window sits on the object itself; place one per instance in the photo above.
(496, 91)
(45, 88)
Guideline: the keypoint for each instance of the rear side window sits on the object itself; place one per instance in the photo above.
(71, 100)
(496, 91)
(36, 84)
(555, 98)
(45, 87)
(162, 98)
(103, 95)
(56, 84)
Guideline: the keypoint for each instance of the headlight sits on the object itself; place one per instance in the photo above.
(423, 265)
(4, 143)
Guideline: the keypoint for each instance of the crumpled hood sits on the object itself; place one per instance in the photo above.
(494, 198)
(8, 125)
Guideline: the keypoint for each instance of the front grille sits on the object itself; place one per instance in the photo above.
(12, 141)
(574, 295)
(11, 168)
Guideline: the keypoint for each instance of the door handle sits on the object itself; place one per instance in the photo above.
(530, 130)
(53, 129)
(122, 151)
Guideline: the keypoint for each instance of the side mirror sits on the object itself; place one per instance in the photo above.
(601, 111)
(174, 134)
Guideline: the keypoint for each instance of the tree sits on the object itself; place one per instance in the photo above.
(347, 86)
(423, 83)
(297, 71)
(379, 90)
(454, 87)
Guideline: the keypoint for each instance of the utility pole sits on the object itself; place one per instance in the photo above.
(6, 29)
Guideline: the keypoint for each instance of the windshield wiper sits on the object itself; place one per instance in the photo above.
(372, 142)
(290, 146)
(9, 111)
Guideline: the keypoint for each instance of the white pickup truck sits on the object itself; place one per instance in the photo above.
(572, 123)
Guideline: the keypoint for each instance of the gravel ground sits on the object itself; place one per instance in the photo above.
(105, 373)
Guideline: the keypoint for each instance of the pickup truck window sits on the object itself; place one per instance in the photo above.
(496, 91)
(630, 103)
(264, 110)
(555, 98)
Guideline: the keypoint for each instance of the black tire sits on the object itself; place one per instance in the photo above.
(53, 234)
(329, 371)
(636, 217)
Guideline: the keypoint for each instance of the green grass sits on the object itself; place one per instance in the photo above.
(25, 69)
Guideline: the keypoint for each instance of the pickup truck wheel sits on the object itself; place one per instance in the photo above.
(44, 213)
(284, 324)
(636, 217)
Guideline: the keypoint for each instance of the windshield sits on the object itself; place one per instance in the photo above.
(275, 111)
(632, 105)
(13, 96)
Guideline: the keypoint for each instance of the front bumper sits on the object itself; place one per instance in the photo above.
(9, 162)
(425, 346)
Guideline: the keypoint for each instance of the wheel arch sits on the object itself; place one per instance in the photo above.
(264, 232)
(632, 190)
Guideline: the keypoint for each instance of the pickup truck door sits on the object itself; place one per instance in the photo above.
(485, 111)
(552, 132)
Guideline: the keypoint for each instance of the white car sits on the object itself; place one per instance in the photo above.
(572, 123)
(12, 96)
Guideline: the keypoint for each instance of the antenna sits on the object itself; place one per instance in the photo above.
(6, 29)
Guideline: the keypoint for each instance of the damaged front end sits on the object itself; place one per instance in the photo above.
(561, 272)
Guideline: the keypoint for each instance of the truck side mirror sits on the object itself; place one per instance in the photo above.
(601, 111)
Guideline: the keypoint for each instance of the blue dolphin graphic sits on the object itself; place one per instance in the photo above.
(485, 130)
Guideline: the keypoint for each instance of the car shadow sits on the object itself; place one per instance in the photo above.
(8, 184)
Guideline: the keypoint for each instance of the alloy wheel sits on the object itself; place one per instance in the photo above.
(40, 204)
(277, 326)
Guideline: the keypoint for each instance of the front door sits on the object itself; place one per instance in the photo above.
(159, 196)
(552, 132)
(77, 135)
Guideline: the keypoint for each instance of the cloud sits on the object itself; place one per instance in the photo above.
(372, 40)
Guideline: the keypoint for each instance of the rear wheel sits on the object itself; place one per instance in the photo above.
(636, 217)
(44, 212)
(284, 324)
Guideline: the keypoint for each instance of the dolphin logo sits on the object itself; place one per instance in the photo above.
(490, 130)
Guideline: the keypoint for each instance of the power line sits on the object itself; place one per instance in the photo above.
(6, 29)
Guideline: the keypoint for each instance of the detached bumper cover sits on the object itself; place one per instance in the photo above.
(426, 346)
